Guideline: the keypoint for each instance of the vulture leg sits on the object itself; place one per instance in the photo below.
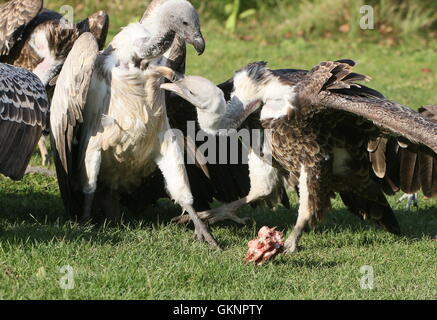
(87, 208)
(304, 214)
(92, 169)
(411, 200)
(43, 151)
(313, 201)
(263, 180)
(171, 163)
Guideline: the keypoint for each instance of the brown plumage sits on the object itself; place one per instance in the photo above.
(26, 19)
(320, 123)
(404, 166)
(14, 17)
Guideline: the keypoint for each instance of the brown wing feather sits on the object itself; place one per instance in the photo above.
(377, 150)
(409, 169)
(14, 17)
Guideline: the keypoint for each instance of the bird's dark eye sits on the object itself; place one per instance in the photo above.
(185, 23)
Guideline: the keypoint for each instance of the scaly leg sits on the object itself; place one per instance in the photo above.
(43, 151)
(89, 182)
(304, 214)
(171, 163)
(225, 212)
(311, 209)
(264, 179)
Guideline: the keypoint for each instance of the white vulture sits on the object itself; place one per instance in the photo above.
(23, 116)
(225, 181)
(319, 124)
(38, 40)
(109, 122)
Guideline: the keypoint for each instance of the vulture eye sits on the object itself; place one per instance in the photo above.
(185, 23)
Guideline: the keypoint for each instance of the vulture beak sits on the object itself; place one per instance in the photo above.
(199, 43)
(177, 84)
(169, 74)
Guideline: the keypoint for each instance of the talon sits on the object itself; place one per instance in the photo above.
(184, 219)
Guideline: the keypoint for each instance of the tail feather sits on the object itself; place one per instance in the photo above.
(378, 211)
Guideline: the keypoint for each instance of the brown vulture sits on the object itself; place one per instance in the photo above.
(37, 39)
(318, 125)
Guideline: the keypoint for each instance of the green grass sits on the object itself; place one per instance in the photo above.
(147, 257)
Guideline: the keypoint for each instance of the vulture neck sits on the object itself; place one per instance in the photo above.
(214, 118)
(157, 24)
(220, 116)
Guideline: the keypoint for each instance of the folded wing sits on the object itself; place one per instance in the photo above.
(23, 117)
(68, 104)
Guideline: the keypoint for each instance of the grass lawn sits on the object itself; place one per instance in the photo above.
(147, 257)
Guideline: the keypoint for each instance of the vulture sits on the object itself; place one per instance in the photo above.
(225, 181)
(23, 113)
(109, 121)
(36, 39)
(318, 125)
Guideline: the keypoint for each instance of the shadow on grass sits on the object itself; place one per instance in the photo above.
(23, 234)
(48, 221)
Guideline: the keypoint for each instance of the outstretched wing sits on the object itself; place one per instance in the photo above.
(404, 155)
(327, 85)
(67, 109)
(23, 115)
(14, 17)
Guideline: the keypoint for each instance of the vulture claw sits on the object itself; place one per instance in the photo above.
(213, 216)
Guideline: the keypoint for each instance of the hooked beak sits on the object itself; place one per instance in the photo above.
(169, 74)
(177, 83)
(198, 43)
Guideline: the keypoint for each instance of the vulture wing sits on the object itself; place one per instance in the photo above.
(67, 109)
(319, 90)
(404, 156)
(23, 115)
(14, 17)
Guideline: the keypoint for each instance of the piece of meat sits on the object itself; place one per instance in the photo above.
(268, 244)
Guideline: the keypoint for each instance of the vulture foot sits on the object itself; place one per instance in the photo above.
(200, 229)
(411, 200)
(213, 216)
(291, 245)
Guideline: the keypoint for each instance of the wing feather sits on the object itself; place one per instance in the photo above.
(14, 17)
(23, 115)
(71, 92)
(389, 116)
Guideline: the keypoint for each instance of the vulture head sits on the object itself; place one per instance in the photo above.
(176, 17)
(52, 42)
(201, 93)
(213, 111)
